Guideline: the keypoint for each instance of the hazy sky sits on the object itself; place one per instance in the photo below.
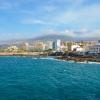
(31, 18)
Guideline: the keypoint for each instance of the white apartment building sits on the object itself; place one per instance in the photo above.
(77, 48)
(12, 49)
(95, 48)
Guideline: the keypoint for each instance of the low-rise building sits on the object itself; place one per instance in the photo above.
(39, 46)
(94, 48)
(12, 49)
(48, 45)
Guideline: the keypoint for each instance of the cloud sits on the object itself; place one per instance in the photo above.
(5, 5)
(87, 16)
(9, 36)
(49, 8)
(10, 5)
(32, 21)
(55, 32)
(83, 33)
(70, 2)
(76, 17)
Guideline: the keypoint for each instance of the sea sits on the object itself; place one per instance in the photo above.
(30, 78)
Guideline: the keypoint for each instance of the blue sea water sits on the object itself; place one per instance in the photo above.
(27, 78)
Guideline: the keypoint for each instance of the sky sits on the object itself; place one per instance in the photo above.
(32, 18)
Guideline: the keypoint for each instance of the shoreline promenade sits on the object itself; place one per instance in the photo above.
(21, 54)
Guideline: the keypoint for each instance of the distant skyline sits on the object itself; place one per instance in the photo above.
(33, 18)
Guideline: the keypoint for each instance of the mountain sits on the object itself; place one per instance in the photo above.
(62, 37)
(46, 38)
(41, 38)
(52, 37)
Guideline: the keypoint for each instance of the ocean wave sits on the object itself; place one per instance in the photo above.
(71, 61)
(34, 58)
(42, 58)
(85, 62)
(94, 62)
(46, 58)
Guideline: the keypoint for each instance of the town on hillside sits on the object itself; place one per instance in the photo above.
(56, 48)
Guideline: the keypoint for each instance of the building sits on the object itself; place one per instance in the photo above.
(64, 46)
(95, 49)
(69, 45)
(74, 47)
(77, 48)
(57, 45)
(39, 46)
(48, 45)
(12, 49)
(26, 46)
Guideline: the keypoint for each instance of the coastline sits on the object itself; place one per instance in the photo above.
(85, 62)
(67, 59)
(21, 54)
(79, 59)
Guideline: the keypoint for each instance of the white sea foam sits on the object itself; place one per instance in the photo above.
(45, 58)
(71, 61)
(42, 58)
(34, 58)
(94, 62)
(85, 62)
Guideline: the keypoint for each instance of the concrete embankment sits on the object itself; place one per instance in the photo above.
(21, 54)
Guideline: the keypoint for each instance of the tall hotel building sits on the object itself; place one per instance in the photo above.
(57, 45)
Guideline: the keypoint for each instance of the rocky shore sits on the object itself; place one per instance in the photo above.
(42, 54)
(80, 59)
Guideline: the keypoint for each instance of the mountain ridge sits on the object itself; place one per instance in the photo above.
(47, 38)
